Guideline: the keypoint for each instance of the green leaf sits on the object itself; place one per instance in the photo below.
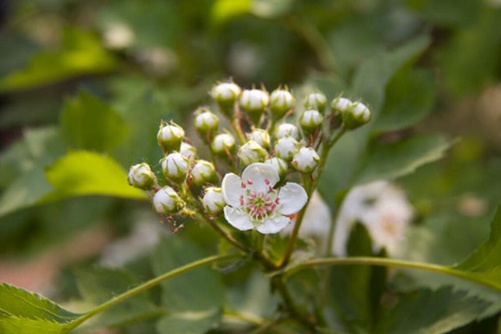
(82, 173)
(189, 322)
(199, 290)
(226, 10)
(484, 263)
(81, 53)
(431, 312)
(394, 160)
(90, 124)
(409, 98)
(98, 285)
(14, 325)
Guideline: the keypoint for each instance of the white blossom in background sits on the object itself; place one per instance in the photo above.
(118, 36)
(252, 202)
(382, 208)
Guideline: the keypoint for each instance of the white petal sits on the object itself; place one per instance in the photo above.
(257, 173)
(275, 225)
(232, 189)
(292, 198)
(237, 219)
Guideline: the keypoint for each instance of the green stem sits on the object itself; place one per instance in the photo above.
(394, 263)
(150, 284)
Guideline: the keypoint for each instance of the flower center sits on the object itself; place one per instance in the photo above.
(259, 205)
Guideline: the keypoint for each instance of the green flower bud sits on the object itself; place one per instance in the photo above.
(280, 165)
(310, 120)
(167, 202)
(226, 94)
(213, 201)
(223, 144)
(281, 102)
(203, 172)
(286, 147)
(251, 152)
(260, 136)
(188, 151)
(356, 115)
(141, 176)
(286, 130)
(254, 103)
(315, 101)
(206, 123)
(305, 160)
(175, 167)
(170, 136)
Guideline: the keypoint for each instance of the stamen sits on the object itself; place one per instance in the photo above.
(249, 182)
(243, 185)
(267, 182)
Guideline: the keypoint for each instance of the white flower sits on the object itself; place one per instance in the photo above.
(382, 208)
(252, 202)
(260, 136)
(305, 160)
(166, 201)
(203, 172)
(287, 129)
(251, 152)
(188, 151)
(213, 200)
(286, 147)
(170, 136)
(281, 102)
(141, 176)
(175, 166)
(223, 143)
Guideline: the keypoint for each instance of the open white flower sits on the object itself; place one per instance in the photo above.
(252, 202)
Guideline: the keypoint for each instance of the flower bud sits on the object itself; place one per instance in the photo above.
(279, 164)
(260, 136)
(357, 114)
(305, 160)
(226, 94)
(213, 201)
(339, 106)
(203, 172)
(188, 151)
(281, 101)
(175, 166)
(170, 136)
(310, 120)
(315, 101)
(287, 130)
(286, 147)
(141, 176)
(223, 144)
(254, 102)
(251, 152)
(167, 202)
(206, 123)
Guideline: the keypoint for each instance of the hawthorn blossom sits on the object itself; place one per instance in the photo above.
(252, 202)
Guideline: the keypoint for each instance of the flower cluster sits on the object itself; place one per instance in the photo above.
(246, 172)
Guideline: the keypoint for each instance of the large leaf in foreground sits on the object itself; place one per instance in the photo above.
(87, 173)
(431, 312)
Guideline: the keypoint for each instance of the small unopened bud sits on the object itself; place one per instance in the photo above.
(203, 172)
(356, 115)
(281, 101)
(279, 164)
(315, 101)
(206, 123)
(305, 160)
(175, 166)
(341, 104)
(260, 136)
(213, 200)
(170, 136)
(251, 152)
(311, 120)
(141, 176)
(286, 147)
(223, 144)
(287, 130)
(188, 151)
(254, 103)
(226, 94)
(167, 202)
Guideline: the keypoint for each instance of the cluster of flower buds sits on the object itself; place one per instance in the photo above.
(268, 137)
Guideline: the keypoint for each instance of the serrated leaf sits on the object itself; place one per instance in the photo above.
(15, 325)
(188, 322)
(83, 173)
(431, 312)
(90, 124)
(394, 160)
